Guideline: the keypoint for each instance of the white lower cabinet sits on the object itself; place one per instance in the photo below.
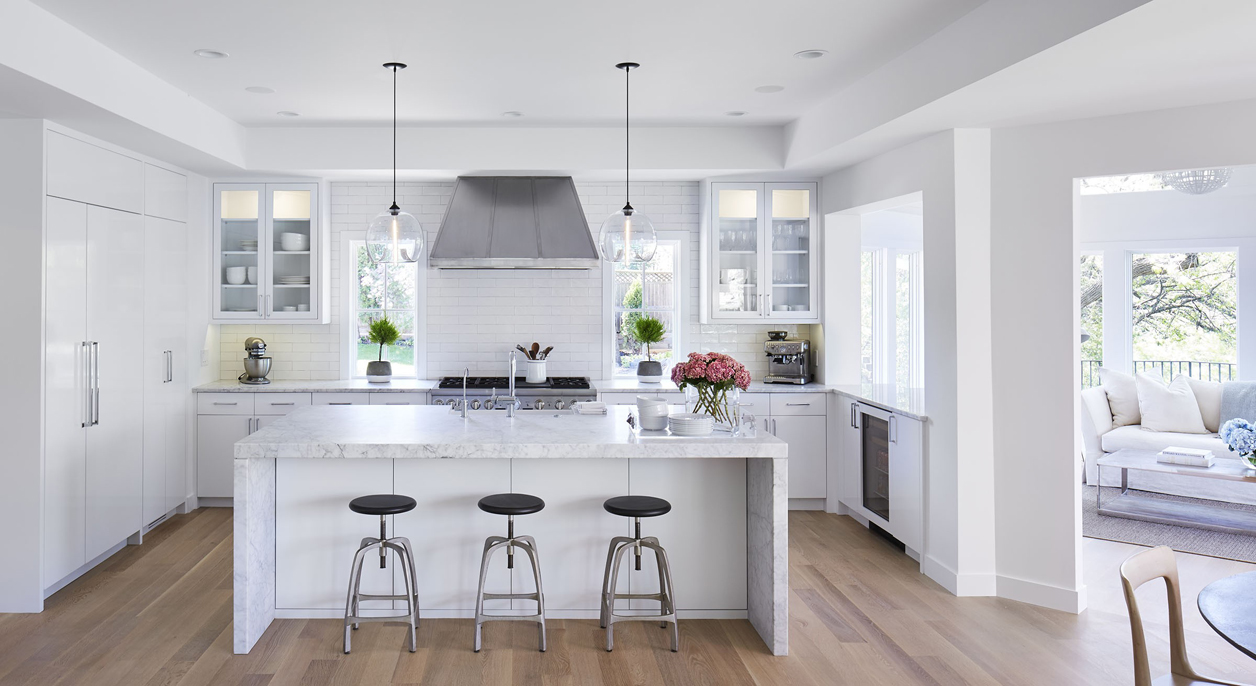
(417, 398)
(881, 457)
(216, 436)
(808, 453)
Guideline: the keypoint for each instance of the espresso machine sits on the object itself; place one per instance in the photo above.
(789, 360)
(256, 365)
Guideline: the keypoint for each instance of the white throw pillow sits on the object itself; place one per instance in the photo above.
(1208, 394)
(1122, 396)
(1168, 408)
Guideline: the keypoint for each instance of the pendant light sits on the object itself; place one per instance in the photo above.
(393, 236)
(627, 236)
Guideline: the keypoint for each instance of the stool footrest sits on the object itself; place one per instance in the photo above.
(363, 596)
(510, 596)
(388, 618)
(480, 619)
(644, 618)
(640, 596)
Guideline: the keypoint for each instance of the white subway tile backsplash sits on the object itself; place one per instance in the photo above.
(474, 317)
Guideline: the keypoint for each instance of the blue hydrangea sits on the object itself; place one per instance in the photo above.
(1240, 436)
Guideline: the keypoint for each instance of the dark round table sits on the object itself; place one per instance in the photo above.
(1229, 607)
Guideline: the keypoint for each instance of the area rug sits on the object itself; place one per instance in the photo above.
(1180, 538)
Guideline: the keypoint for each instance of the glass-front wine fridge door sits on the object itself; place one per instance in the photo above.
(875, 445)
(738, 248)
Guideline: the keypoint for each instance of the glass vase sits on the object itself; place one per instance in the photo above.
(707, 399)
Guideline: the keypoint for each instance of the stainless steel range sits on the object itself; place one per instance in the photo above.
(556, 393)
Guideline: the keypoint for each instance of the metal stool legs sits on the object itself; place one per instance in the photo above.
(610, 582)
(528, 545)
(405, 553)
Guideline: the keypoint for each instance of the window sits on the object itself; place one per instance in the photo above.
(1126, 183)
(647, 289)
(1185, 313)
(1092, 319)
(891, 306)
(868, 260)
(382, 291)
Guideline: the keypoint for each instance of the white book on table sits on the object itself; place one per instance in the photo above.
(1194, 460)
(1190, 452)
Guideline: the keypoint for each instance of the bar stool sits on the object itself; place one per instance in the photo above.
(510, 504)
(637, 506)
(383, 505)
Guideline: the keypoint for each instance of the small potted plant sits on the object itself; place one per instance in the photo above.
(649, 330)
(383, 333)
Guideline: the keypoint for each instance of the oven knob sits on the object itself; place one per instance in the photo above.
(488, 404)
(475, 404)
(560, 404)
(438, 401)
(538, 404)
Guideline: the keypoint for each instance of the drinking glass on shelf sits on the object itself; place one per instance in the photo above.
(744, 422)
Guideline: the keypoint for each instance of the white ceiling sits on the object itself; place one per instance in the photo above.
(470, 61)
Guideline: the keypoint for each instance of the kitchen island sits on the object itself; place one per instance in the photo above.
(726, 535)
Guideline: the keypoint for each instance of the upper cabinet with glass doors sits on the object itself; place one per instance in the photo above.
(763, 251)
(266, 252)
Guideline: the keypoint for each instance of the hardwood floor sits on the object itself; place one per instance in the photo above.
(860, 613)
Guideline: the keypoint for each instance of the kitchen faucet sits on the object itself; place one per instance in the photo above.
(511, 401)
(466, 371)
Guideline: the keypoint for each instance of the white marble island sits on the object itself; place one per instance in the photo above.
(295, 536)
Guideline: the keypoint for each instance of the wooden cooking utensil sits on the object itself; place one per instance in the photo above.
(545, 353)
(536, 348)
(525, 351)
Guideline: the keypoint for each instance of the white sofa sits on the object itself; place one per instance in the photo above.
(1099, 437)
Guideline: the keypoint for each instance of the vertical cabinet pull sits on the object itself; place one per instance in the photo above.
(854, 408)
(774, 427)
(85, 357)
(260, 311)
(852, 415)
(95, 383)
(269, 310)
(893, 429)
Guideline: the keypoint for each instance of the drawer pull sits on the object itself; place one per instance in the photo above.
(339, 403)
(797, 404)
(218, 403)
(396, 403)
(283, 403)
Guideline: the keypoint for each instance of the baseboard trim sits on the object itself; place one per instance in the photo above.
(962, 585)
(818, 504)
(72, 576)
(1043, 595)
(339, 613)
(215, 502)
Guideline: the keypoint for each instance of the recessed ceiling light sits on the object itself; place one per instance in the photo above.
(286, 113)
(512, 114)
(769, 89)
(210, 54)
(735, 113)
(810, 54)
(260, 89)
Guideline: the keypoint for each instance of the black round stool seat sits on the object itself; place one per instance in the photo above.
(637, 506)
(382, 504)
(511, 504)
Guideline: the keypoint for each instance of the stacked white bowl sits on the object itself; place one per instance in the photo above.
(690, 424)
(294, 241)
(653, 412)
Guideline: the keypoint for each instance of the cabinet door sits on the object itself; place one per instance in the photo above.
(115, 325)
(216, 436)
(65, 381)
(399, 398)
(88, 173)
(737, 242)
(165, 194)
(850, 454)
(790, 252)
(808, 454)
(906, 494)
(352, 398)
(165, 339)
(239, 251)
(291, 252)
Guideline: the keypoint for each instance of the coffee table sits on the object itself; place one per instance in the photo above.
(1199, 515)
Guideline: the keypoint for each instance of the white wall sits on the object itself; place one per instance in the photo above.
(959, 534)
(1034, 269)
(474, 317)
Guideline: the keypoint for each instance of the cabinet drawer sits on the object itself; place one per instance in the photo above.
(620, 398)
(757, 404)
(224, 403)
(342, 399)
(279, 403)
(398, 398)
(788, 404)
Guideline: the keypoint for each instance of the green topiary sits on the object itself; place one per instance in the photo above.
(383, 332)
(633, 299)
(648, 330)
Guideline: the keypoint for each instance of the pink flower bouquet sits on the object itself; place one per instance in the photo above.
(712, 376)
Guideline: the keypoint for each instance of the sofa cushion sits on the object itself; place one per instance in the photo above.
(1122, 396)
(1208, 395)
(1168, 407)
(1138, 438)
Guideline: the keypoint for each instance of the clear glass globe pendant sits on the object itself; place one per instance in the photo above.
(627, 236)
(393, 236)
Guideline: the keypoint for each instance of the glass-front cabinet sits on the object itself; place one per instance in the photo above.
(763, 252)
(266, 252)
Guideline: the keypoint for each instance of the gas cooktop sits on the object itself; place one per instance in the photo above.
(501, 383)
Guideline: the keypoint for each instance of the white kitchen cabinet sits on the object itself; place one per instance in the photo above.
(883, 471)
(165, 194)
(762, 249)
(90, 174)
(216, 436)
(279, 403)
(417, 398)
(165, 377)
(342, 399)
(266, 253)
(808, 453)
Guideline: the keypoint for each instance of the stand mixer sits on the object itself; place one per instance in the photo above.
(256, 365)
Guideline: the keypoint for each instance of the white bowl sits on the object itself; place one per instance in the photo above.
(653, 423)
(236, 275)
(294, 241)
(252, 274)
(644, 400)
(652, 411)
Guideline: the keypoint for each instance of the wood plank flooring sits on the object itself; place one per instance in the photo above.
(860, 613)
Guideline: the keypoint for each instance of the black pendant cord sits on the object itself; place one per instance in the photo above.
(395, 67)
(627, 138)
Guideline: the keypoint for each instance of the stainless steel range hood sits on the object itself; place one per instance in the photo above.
(514, 222)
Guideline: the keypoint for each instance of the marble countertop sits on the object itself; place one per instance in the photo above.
(909, 402)
(425, 431)
(632, 385)
(339, 386)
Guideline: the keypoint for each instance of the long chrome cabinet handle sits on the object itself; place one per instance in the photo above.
(283, 403)
(95, 383)
(893, 429)
(260, 312)
(269, 309)
(218, 403)
(797, 404)
(773, 427)
(852, 415)
(855, 407)
(85, 357)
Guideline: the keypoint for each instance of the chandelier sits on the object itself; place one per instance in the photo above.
(1197, 181)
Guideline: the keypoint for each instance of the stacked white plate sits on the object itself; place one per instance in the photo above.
(690, 424)
(249, 246)
(292, 242)
(293, 280)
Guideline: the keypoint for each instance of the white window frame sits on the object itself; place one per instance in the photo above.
(684, 285)
(885, 315)
(350, 241)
